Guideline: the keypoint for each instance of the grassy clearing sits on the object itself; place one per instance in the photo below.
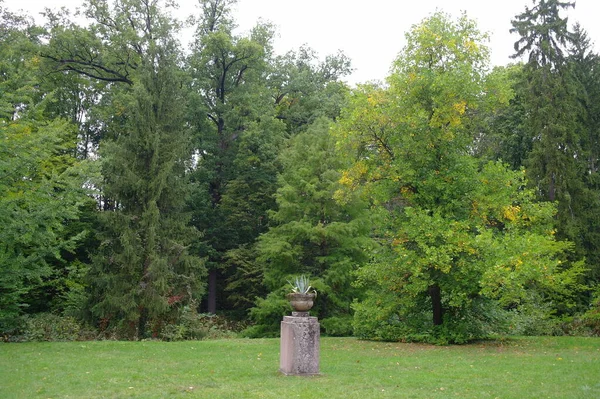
(562, 367)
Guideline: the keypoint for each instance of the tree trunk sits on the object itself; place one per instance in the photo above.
(436, 304)
(212, 291)
(551, 189)
(143, 319)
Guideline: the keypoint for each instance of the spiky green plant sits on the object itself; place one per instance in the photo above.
(302, 285)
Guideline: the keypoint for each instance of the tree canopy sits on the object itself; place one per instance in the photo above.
(143, 183)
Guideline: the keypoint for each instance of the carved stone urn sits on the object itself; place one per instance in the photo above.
(301, 302)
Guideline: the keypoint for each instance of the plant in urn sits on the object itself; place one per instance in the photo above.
(302, 296)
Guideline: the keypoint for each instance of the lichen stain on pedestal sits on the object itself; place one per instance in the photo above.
(300, 345)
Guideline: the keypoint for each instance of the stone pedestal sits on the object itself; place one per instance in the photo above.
(300, 340)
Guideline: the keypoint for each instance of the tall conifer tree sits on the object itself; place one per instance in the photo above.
(312, 233)
(556, 117)
(142, 272)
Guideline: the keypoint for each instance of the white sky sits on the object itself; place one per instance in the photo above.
(370, 32)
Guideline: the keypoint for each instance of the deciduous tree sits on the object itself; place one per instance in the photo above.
(41, 192)
(448, 227)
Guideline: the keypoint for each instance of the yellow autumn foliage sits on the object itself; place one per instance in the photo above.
(511, 212)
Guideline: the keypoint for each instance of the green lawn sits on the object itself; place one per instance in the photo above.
(563, 367)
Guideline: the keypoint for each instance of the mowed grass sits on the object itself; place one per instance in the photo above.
(561, 367)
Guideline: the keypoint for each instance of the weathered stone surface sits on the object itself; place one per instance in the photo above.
(300, 314)
(300, 345)
(301, 302)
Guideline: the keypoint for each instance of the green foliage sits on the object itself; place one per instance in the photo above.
(245, 284)
(503, 136)
(237, 139)
(41, 195)
(191, 325)
(112, 141)
(248, 197)
(555, 109)
(544, 34)
(384, 316)
(550, 103)
(51, 327)
(591, 318)
(142, 270)
(301, 285)
(338, 326)
(534, 316)
(37, 202)
(459, 240)
(583, 65)
(312, 233)
(305, 88)
(267, 315)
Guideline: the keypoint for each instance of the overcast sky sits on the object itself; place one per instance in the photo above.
(370, 32)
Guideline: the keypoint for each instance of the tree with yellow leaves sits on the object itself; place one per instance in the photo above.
(460, 242)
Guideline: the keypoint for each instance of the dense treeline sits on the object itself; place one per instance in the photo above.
(142, 182)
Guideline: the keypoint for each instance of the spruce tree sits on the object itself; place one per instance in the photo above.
(584, 64)
(142, 273)
(555, 104)
(549, 103)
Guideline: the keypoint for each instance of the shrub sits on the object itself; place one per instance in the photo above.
(534, 316)
(196, 326)
(380, 318)
(591, 318)
(338, 326)
(52, 327)
(267, 315)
